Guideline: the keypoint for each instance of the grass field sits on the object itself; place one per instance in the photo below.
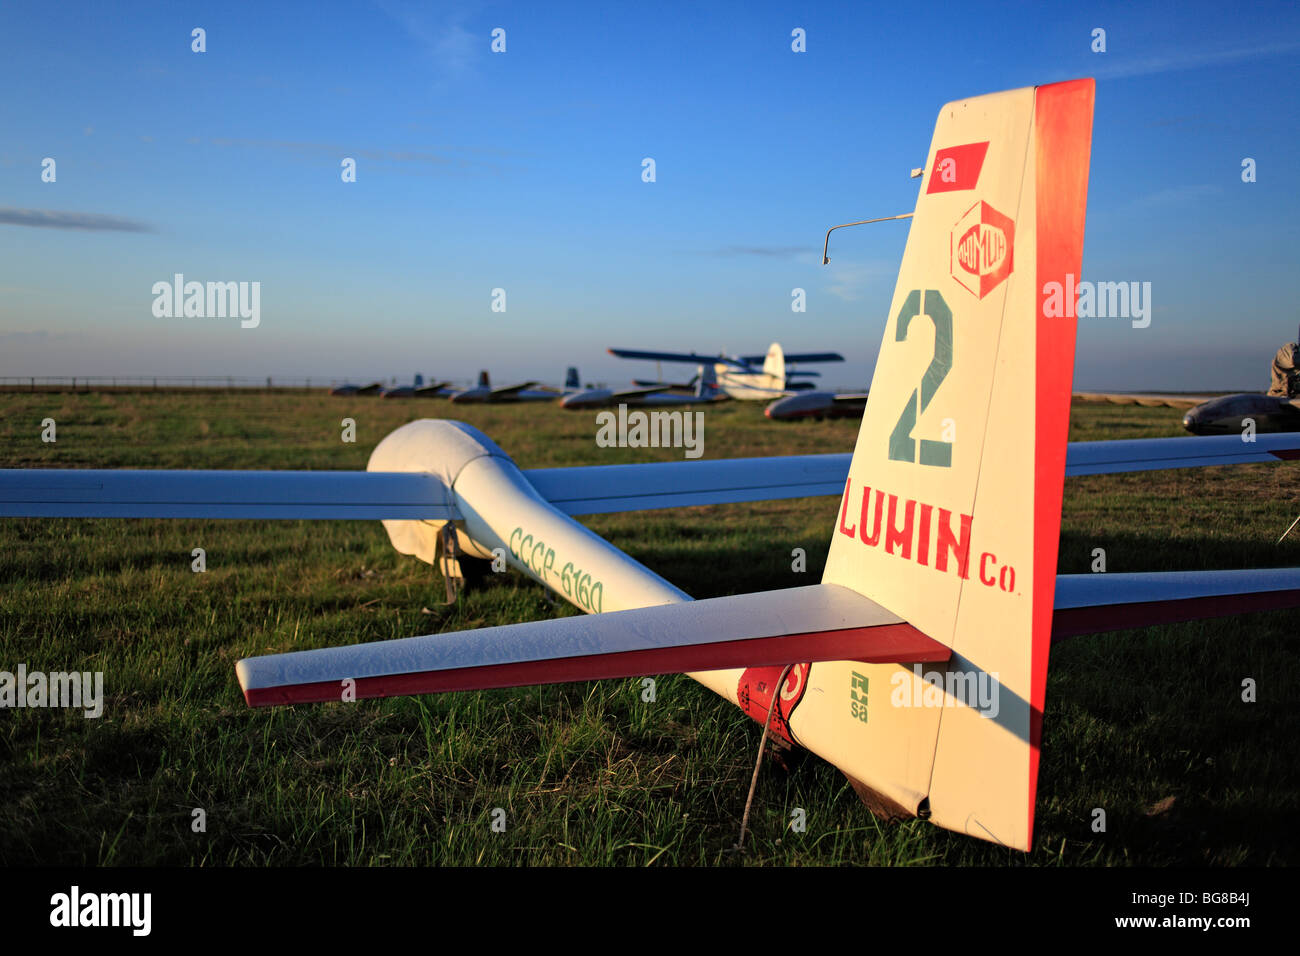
(1148, 725)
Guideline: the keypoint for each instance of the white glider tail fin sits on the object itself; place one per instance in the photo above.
(774, 363)
(951, 511)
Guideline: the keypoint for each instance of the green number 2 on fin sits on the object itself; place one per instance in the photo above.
(902, 446)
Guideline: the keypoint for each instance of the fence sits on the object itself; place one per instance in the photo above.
(123, 383)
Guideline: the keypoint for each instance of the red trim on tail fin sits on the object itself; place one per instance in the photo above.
(1063, 126)
(957, 167)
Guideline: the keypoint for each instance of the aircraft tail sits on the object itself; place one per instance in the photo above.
(571, 380)
(774, 363)
(484, 380)
(951, 513)
(706, 382)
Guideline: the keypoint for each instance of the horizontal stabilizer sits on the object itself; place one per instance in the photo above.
(1092, 603)
(1152, 454)
(159, 493)
(815, 623)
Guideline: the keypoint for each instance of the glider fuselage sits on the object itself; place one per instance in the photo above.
(1231, 415)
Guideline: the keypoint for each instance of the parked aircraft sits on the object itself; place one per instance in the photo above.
(742, 376)
(346, 390)
(821, 405)
(818, 405)
(1218, 414)
(416, 390)
(703, 389)
(522, 392)
(941, 577)
(1230, 415)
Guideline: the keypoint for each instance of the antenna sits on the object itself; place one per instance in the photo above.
(861, 222)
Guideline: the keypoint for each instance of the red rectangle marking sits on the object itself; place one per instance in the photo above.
(957, 168)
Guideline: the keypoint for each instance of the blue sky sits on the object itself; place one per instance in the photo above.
(522, 171)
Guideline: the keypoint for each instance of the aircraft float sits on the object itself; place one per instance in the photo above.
(941, 579)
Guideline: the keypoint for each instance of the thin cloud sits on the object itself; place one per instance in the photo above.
(1177, 196)
(850, 281)
(424, 157)
(772, 252)
(57, 219)
(451, 48)
(1190, 60)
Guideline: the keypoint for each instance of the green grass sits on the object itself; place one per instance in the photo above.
(587, 773)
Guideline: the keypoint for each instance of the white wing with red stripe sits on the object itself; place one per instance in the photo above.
(820, 622)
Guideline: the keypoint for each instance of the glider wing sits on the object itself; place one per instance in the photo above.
(160, 493)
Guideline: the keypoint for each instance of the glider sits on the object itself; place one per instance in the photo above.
(348, 390)
(1237, 414)
(941, 575)
(702, 389)
(522, 392)
(1234, 414)
(417, 389)
(817, 405)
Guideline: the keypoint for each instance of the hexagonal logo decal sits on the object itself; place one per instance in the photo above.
(981, 249)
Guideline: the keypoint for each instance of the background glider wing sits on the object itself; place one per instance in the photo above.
(505, 390)
(646, 392)
(815, 623)
(87, 493)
